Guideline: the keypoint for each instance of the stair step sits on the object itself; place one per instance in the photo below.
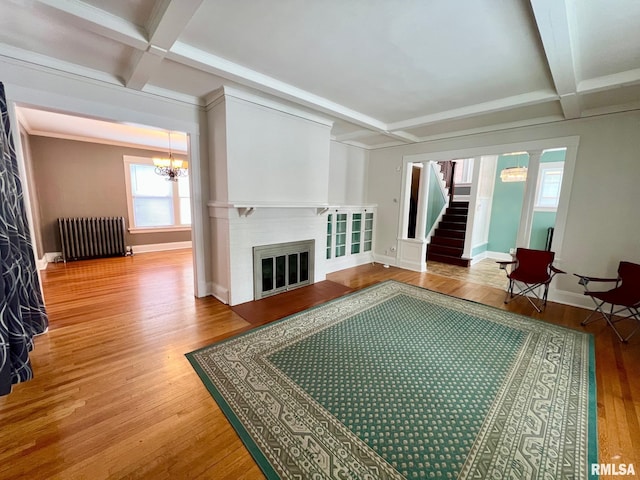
(447, 241)
(459, 205)
(460, 226)
(457, 211)
(445, 250)
(462, 262)
(448, 217)
(445, 232)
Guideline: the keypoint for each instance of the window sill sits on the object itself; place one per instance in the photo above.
(182, 228)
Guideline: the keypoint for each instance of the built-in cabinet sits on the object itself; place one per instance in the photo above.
(349, 238)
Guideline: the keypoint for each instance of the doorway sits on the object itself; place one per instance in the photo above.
(74, 167)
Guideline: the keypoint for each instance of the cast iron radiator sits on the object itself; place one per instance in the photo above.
(92, 237)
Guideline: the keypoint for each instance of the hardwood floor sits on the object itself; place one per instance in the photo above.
(114, 396)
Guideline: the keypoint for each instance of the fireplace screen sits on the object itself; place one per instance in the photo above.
(282, 267)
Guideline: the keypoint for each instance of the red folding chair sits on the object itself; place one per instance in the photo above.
(625, 296)
(530, 270)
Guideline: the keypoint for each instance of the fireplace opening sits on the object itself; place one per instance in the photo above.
(282, 267)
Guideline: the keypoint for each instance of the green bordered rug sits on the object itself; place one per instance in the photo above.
(396, 381)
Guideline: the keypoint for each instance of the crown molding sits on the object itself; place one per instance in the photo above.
(506, 103)
(231, 92)
(101, 141)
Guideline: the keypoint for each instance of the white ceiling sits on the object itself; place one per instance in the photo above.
(387, 71)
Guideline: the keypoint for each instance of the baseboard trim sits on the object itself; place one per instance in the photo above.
(570, 298)
(161, 247)
(220, 293)
(385, 260)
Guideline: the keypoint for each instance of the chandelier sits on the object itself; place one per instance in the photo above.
(514, 174)
(170, 167)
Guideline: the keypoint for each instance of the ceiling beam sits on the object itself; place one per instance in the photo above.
(552, 19)
(97, 21)
(607, 82)
(168, 19)
(142, 66)
(507, 103)
(193, 57)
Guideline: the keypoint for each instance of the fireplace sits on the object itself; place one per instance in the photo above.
(282, 267)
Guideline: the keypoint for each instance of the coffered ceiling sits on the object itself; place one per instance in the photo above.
(387, 72)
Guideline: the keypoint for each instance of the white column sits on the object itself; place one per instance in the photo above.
(529, 200)
(423, 195)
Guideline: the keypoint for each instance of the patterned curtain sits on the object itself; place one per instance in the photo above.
(22, 313)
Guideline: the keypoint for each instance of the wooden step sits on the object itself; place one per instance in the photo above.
(459, 205)
(462, 262)
(450, 217)
(445, 250)
(445, 232)
(447, 241)
(457, 211)
(460, 226)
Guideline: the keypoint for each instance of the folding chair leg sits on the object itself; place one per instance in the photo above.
(598, 309)
(523, 293)
(509, 292)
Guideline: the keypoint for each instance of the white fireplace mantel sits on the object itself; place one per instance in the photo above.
(247, 208)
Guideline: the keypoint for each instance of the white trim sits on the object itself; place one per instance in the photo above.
(161, 247)
(239, 94)
(347, 261)
(220, 292)
(497, 149)
(501, 256)
(385, 260)
(135, 231)
(41, 263)
(412, 254)
(570, 298)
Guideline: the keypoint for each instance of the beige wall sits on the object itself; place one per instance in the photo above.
(81, 179)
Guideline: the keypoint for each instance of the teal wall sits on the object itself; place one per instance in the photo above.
(507, 207)
(541, 222)
(435, 201)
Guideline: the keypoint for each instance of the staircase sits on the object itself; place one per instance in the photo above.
(447, 242)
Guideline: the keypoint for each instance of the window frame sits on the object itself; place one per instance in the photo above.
(547, 166)
(129, 160)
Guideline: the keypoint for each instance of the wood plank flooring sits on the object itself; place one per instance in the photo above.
(114, 396)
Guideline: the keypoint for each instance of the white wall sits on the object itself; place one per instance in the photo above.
(603, 223)
(275, 157)
(276, 162)
(347, 174)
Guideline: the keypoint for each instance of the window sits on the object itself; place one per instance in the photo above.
(549, 184)
(154, 202)
(463, 173)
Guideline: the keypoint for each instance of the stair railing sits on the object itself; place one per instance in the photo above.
(437, 201)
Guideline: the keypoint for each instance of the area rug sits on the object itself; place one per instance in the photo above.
(396, 381)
